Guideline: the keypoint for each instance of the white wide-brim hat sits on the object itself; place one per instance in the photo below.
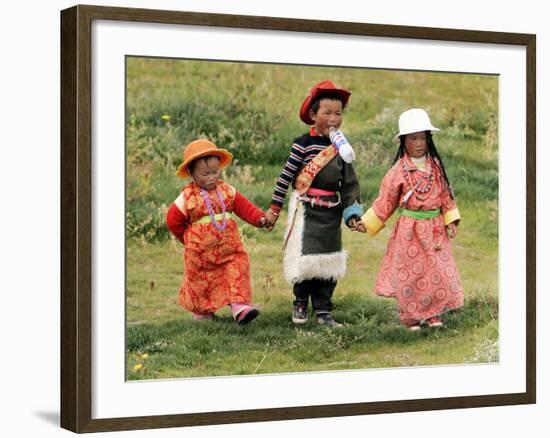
(414, 120)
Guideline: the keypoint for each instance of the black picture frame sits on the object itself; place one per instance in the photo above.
(76, 217)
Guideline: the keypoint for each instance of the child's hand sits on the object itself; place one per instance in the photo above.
(262, 223)
(356, 225)
(452, 230)
(270, 220)
(360, 226)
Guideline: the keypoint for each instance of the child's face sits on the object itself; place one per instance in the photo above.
(206, 172)
(329, 114)
(416, 144)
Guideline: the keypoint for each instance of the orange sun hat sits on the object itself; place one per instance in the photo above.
(321, 88)
(202, 148)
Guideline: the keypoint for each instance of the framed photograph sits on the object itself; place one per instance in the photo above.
(138, 86)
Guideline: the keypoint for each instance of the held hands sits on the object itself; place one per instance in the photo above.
(355, 224)
(271, 219)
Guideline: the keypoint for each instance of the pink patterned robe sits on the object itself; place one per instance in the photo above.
(418, 268)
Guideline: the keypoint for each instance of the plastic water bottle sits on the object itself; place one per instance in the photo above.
(339, 140)
(337, 137)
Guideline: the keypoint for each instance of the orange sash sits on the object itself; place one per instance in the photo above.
(309, 172)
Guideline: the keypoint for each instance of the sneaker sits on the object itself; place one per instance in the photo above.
(247, 316)
(327, 320)
(434, 321)
(414, 327)
(244, 313)
(299, 314)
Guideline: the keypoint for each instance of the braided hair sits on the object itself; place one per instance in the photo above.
(432, 150)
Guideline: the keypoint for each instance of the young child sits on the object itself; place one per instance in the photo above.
(216, 263)
(325, 190)
(418, 268)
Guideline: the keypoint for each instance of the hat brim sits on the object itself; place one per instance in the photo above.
(432, 129)
(225, 160)
(306, 104)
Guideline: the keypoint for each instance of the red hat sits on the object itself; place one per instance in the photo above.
(321, 88)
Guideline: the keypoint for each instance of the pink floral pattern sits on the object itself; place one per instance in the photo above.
(418, 268)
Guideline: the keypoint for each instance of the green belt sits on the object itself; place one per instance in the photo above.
(420, 214)
(206, 219)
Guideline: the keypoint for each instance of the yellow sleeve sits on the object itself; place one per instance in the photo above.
(451, 216)
(372, 222)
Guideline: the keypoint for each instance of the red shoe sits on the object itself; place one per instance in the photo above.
(434, 321)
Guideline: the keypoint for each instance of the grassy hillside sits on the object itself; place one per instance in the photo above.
(252, 110)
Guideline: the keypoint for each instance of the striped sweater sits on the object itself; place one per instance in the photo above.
(303, 150)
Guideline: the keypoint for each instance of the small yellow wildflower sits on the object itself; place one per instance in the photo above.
(144, 356)
(165, 117)
(138, 366)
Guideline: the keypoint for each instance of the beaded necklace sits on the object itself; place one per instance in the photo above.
(421, 190)
(211, 213)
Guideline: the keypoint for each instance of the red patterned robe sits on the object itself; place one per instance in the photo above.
(418, 268)
(216, 263)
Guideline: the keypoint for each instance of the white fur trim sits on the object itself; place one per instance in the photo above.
(293, 249)
(299, 267)
(330, 266)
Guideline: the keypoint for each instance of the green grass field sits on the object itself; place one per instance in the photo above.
(252, 110)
